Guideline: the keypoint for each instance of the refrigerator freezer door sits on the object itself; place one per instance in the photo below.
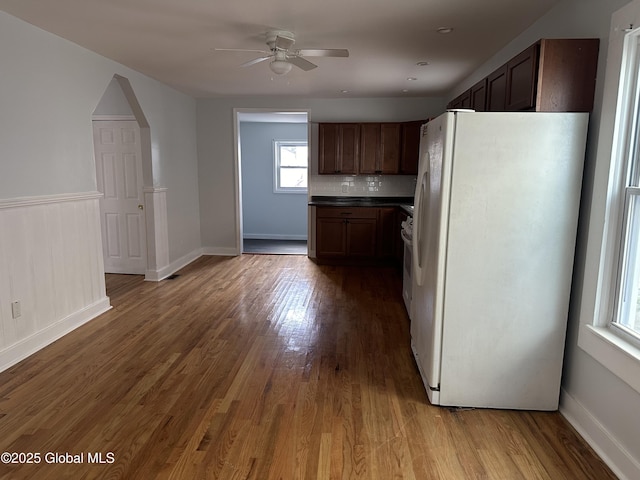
(432, 191)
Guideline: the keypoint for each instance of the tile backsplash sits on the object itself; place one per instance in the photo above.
(362, 185)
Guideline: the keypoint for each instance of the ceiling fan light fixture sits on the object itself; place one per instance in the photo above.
(280, 67)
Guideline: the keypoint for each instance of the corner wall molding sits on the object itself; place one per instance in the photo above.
(48, 199)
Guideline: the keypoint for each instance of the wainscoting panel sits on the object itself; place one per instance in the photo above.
(51, 270)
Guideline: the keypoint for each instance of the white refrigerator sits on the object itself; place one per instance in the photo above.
(494, 231)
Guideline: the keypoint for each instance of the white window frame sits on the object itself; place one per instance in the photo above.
(276, 167)
(629, 192)
(601, 338)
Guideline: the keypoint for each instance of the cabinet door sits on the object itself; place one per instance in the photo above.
(567, 74)
(369, 148)
(479, 96)
(410, 147)
(497, 90)
(389, 148)
(328, 134)
(522, 72)
(461, 101)
(331, 237)
(361, 237)
(349, 148)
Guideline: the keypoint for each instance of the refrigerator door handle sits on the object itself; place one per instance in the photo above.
(418, 218)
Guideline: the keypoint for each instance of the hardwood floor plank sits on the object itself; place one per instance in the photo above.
(262, 367)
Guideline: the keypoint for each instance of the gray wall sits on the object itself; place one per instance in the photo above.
(601, 406)
(266, 214)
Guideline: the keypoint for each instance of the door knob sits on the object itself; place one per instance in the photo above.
(140, 207)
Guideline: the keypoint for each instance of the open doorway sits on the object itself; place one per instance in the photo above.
(273, 181)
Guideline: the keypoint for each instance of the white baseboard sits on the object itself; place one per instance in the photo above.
(269, 236)
(29, 345)
(595, 434)
(173, 267)
(221, 251)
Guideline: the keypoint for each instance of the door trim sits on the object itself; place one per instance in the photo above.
(237, 113)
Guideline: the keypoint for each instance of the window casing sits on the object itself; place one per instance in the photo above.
(291, 165)
(626, 312)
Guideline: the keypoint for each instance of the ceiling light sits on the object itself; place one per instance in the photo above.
(280, 67)
(422, 64)
(344, 91)
(444, 30)
(412, 79)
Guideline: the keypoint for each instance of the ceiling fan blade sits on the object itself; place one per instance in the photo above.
(256, 60)
(323, 52)
(300, 62)
(240, 50)
(283, 43)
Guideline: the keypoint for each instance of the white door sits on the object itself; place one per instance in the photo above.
(119, 177)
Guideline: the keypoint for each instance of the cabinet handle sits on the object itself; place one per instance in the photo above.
(346, 213)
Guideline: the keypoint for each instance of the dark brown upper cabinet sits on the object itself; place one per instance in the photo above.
(369, 148)
(497, 90)
(339, 148)
(478, 96)
(552, 75)
(410, 147)
(380, 148)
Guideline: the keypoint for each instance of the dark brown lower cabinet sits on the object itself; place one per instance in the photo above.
(370, 234)
(346, 232)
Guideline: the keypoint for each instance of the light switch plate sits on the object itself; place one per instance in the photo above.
(16, 310)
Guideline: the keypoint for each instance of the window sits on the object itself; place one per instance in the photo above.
(291, 166)
(626, 316)
(611, 279)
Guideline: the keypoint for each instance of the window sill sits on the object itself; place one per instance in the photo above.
(613, 352)
(291, 191)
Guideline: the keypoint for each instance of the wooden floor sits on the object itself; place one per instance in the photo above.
(261, 367)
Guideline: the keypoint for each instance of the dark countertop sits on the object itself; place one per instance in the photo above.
(406, 203)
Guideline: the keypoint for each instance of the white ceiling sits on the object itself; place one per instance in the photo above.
(174, 40)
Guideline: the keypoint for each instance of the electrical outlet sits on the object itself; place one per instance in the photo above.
(16, 309)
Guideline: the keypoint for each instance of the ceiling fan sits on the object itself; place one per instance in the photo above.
(283, 56)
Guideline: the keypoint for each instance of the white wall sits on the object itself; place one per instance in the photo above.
(216, 167)
(49, 90)
(266, 214)
(601, 406)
